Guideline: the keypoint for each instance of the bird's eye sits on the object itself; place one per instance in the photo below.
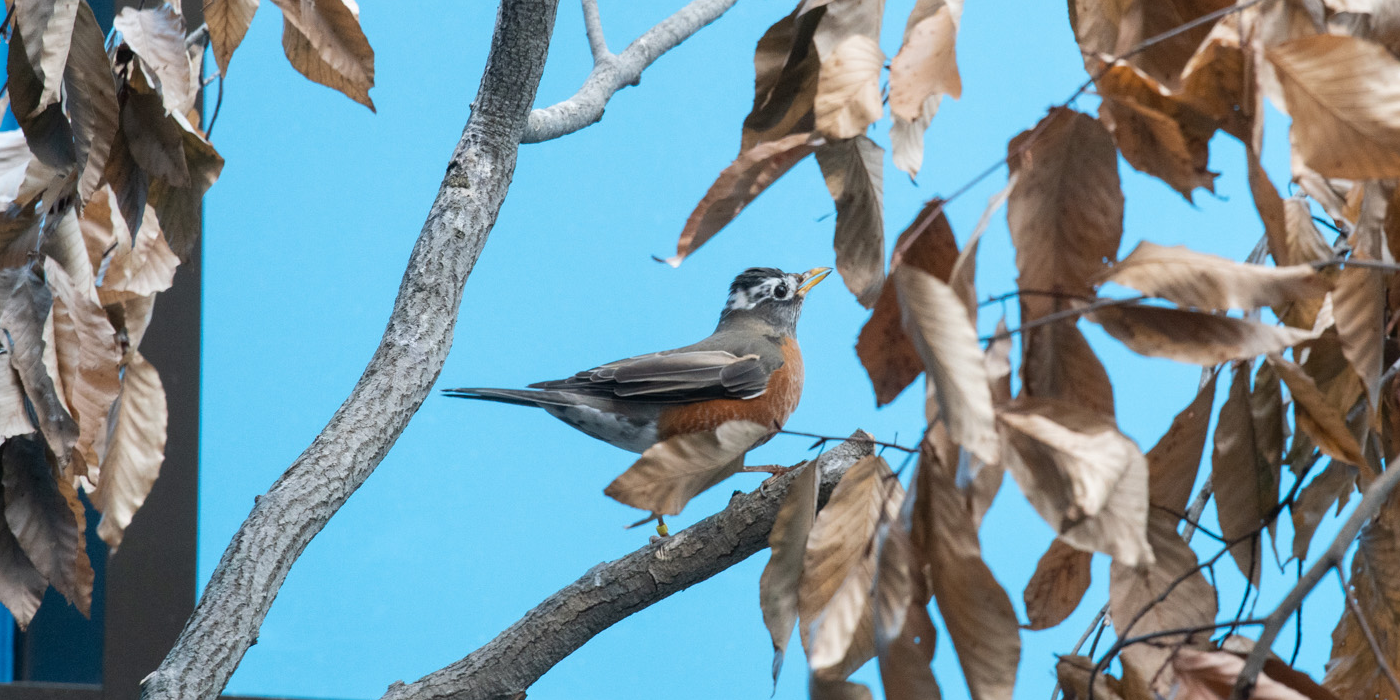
(782, 291)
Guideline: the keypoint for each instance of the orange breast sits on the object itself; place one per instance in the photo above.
(772, 408)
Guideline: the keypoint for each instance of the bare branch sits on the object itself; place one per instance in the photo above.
(394, 384)
(609, 592)
(593, 27)
(1376, 495)
(586, 106)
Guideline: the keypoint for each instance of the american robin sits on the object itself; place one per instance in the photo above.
(750, 368)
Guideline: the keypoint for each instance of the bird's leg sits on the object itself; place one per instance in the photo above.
(661, 528)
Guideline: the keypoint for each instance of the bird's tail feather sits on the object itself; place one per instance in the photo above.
(518, 397)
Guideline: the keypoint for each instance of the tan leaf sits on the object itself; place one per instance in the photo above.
(976, 610)
(1057, 362)
(1210, 675)
(138, 268)
(228, 21)
(1316, 416)
(21, 585)
(1066, 211)
(938, 325)
(1344, 96)
(154, 139)
(1157, 133)
(1266, 410)
(87, 357)
(1304, 244)
(1191, 336)
(737, 185)
(785, 81)
(178, 207)
(128, 182)
(925, 69)
(1173, 462)
(673, 471)
(157, 36)
(1073, 673)
(14, 420)
(1115, 27)
(848, 88)
(821, 689)
(27, 304)
(1352, 671)
(883, 347)
(48, 28)
(324, 42)
(1213, 81)
(65, 245)
(46, 129)
(135, 452)
(1059, 582)
(777, 587)
(91, 99)
(1133, 592)
(1315, 499)
(1086, 479)
(840, 555)
(854, 174)
(1210, 283)
(904, 663)
(46, 517)
(1359, 307)
(1245, 487)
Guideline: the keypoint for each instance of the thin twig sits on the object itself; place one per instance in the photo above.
(593, 27)
(1032, 292)
(1366, 630)
(1062, 315)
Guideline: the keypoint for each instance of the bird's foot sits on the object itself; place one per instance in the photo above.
(661, 529)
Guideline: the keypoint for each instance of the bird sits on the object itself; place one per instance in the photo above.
(750, 368)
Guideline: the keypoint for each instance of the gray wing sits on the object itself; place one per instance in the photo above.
(678, 376)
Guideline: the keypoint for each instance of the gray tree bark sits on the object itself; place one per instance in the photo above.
(508, 665)
(394, 384)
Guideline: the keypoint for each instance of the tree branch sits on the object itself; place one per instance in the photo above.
(394, 384)
(609, 592)
(593, 27)
(1376, 652)
(609, 76)
(1376, 495)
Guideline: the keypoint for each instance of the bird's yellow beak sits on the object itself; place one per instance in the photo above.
(810, 279)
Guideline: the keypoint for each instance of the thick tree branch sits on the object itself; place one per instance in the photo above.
(1376, 495)
(393, 386)
(610, 592)
(616, 72)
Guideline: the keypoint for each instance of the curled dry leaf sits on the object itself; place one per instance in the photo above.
(14, 419)
(1114, 27)
(47, 26)
(785, 80)
(135, 451)
(1134, 610)
(854, 174)
(777, 587)
(21, 585)
(46, 129)
(1173, 462)
(178, 206)
(673, 471)
(883, 347)
(1213, 81)
(1359, 307)
(938, 325)
(840, 555)
(1245, 487)
(848, 88)
(1344, 96)
(325, 43)
(138, 267)
(1058, 363)
(1266, 410)
(154, 139)
(1210, 675)
(924, 70)
(1191, 336)
(157, 36)
(1059, 582)
(1086, 479)
(1324, 422)
(820, 689)
(1331, 486)
(1352, 671)
(228, 21)
(88, 356)
(1156, 133)
(46, 517)
(27, 304)
(738, 185)
(904, 663)
(1211, 283)
(1073, 672)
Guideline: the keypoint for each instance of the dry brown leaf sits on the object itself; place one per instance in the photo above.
(154, 139)
(938, 325)
(1352, 671)
(88, 356)
(1157, 132)
(737, 185)
(1118, 26)
(840, 548)
(1193, 337)
(27, 304)
(138, 268)
(854, 174)
(1303, 243)
(1266, 410)
(90, 97)
(1086, 479)
(1059, 582)
(1173, 462)
(1213, 81)
(325, 43)
(963, 278)
(1315, 499)
(821, 689)
(904, 663)
(46, 129)
(228, 21)
(924, 70)
(14, 420)
(1057, 362)
(976, 610)
(842, 636)
(64, 244)
(46, 517)
(673, 471)
(1133, 589)
(128, 182)
(1344, 96)
(21, 585)
(848, 88)
(777, 587)
(1359, 307)
(178, 207)
(1210, 675)
(1323, 421)
(785, 80)
(883, 347)
(157, 36)
(1210, 283)
(1066, 211)
(134, 454)
(1245, 487)
(1073, 673)
(48, 28)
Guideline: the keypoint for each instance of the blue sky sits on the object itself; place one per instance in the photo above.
(482, 510)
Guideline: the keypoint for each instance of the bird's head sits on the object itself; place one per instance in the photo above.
(770, 295)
